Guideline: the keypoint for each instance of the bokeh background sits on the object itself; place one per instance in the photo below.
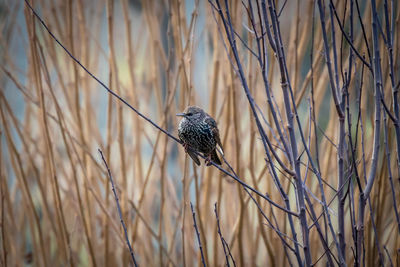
(57, 207)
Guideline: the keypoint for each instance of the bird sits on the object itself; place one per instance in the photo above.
(198, 132)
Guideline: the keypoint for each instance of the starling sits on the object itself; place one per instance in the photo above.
(198, 131)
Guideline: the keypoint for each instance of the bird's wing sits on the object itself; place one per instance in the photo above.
(213, 125)
(190, 152)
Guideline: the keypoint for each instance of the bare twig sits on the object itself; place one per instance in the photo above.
(197, 234)
(119, 209)
(225, 245)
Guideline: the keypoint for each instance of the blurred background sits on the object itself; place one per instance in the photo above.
(57, 207)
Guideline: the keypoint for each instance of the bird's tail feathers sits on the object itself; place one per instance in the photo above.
(215, 158)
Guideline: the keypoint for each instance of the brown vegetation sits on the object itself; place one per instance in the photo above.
(325, 113)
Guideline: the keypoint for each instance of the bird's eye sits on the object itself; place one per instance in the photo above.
(189, 114)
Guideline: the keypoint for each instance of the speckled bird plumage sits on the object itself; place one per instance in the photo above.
(198, 132)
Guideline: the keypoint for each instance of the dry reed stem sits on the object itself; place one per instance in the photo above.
(56, 206)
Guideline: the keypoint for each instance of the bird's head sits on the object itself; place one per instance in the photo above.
(192, 112)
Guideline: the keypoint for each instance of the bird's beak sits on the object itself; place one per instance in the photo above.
(181, 114)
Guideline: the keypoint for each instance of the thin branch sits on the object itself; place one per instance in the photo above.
(197, 234)
(348, 39)
(119, 209)
(223, 241)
